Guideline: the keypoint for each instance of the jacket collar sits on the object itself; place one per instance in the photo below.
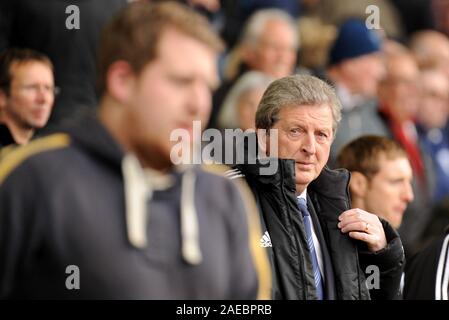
(5, 136)
(332, 184)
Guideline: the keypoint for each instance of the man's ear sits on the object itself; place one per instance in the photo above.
(263, 142)
(358, 184)
(120, 81)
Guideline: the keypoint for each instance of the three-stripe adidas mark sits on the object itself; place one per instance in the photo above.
(265, 241)
(234, 174)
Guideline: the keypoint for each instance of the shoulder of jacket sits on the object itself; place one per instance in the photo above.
(259, 255)
(10, 160)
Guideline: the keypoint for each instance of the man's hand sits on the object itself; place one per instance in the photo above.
(363, 226)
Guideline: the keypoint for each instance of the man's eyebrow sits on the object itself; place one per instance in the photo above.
(323, 129)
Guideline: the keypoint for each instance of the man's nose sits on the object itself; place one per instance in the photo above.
(308, 144)
(408, 193)
(42, 95)
(199, 99)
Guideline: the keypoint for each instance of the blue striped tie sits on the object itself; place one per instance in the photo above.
(308, 227)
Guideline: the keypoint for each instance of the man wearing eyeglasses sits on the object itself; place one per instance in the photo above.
(27, 93)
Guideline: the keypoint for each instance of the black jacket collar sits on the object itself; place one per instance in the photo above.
(5, 136)
(331, 184)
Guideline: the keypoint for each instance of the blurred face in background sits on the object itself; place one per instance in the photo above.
(275, 51)
(399, 91)
(433, 110)
(247, 106)
(362, 75)
(31, 95)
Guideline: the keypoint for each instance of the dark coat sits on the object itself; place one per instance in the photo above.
(421, 272)
(6, 138)
(345, 259)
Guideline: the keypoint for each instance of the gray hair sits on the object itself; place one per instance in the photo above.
(256, 23)
(296, 90)
(249, 81)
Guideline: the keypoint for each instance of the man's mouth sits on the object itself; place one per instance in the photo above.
(305, 165)
(401, 209)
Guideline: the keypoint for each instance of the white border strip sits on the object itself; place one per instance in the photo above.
(441, 282)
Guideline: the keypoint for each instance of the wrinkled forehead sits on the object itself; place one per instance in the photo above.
(320, 114)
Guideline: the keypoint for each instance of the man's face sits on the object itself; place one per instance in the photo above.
(400, 92)
(364, 73)
(433, 110)
(390, 190)
(31, 95)
(275, 52)
(305, 135)
(170, 93)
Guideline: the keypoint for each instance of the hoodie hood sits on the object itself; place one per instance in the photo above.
(87, 132)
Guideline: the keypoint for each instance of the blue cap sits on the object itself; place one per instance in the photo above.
(354, 39)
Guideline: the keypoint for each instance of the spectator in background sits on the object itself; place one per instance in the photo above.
(381, 177)
(269, 44)
(50, 27)
(355, 68)
(433, 132)
(398, 105)
(111, 202)
(431, 50)
(27, 94)
(240, 106)
(239, 112)
(433, 129)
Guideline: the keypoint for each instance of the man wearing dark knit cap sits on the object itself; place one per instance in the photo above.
(355, 68)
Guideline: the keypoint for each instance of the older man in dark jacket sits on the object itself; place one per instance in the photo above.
(319, 247)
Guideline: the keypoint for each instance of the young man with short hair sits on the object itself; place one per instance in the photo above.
(27, 93)
(381, 176)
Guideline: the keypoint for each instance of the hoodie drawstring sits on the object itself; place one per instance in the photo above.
(189, 220)
(139, 185)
